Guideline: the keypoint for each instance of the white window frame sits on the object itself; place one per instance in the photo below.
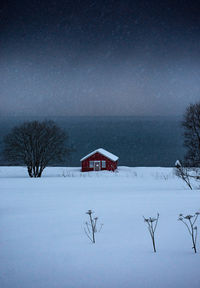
(91, 164)
(103, 164)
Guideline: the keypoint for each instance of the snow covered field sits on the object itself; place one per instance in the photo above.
(43, 244)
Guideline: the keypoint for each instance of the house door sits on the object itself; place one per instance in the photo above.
(97, 166)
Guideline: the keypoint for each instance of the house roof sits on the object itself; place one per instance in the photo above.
(103, 152)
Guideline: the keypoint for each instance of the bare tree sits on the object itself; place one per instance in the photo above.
(190, 169)
(191, 125)
(189, 221)
(36, 144)
(152, 224)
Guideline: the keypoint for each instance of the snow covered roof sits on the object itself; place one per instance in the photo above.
(103, 152)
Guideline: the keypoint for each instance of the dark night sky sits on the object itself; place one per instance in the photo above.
(61, 58)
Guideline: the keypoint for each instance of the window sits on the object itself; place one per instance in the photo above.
(103, 164)
(91, 164)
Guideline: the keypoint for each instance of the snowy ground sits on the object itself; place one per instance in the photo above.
(43, 244)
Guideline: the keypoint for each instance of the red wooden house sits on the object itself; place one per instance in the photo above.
(99, 159)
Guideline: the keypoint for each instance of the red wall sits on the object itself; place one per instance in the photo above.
(110, 165)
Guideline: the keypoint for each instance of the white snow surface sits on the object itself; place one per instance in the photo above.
(43, 244)
(177, 163)
(103, 152)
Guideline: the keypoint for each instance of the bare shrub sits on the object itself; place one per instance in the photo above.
(185, 174)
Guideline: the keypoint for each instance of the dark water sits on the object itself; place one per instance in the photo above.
(138, 141)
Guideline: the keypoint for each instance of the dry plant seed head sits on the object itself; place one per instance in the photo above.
(152, 220)
(189, 217)
(152, 225)
(186, 220)
(89, 212)
(91, 227)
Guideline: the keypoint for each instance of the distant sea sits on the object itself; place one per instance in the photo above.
(138, 141)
